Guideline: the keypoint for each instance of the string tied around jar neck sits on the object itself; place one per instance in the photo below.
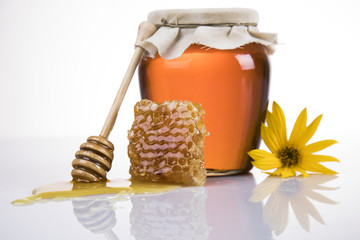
(172, 25)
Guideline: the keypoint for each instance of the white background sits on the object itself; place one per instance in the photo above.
(62, 61)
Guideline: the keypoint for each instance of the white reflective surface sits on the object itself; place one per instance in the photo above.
(251, 206)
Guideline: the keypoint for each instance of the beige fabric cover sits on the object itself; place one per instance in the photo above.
(214, 28)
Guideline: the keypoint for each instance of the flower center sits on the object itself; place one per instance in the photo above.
(289, 156)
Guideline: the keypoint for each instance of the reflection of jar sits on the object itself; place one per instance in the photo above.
(229, 212)
(231, 84)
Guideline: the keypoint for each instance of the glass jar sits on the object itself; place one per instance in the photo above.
(232, 86)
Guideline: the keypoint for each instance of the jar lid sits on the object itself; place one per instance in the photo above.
(215, 16)
(224, 28)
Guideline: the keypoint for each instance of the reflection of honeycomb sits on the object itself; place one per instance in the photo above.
(176, 215)
(167, 141)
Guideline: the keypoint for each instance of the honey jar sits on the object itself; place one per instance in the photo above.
(217, 58)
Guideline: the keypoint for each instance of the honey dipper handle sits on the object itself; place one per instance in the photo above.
(146, 29)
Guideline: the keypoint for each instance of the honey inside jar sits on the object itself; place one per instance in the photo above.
(232, 86)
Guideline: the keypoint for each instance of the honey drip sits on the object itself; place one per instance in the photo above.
(166, 142)
(67, 190)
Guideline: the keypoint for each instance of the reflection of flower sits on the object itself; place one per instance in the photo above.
(179, 214)
(291, 156)
(294, 191)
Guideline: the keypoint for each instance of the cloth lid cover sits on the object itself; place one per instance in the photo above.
(226, 28)
(214, 16)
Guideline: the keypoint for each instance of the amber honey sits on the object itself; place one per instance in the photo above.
(232, 87)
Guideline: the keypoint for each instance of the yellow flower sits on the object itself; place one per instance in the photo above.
(291, 155)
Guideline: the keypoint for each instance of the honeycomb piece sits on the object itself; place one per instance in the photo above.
(167, 141)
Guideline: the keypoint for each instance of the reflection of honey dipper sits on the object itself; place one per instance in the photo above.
(98, 216)
(94, 158)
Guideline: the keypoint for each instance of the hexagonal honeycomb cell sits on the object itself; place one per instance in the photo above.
(166, 142)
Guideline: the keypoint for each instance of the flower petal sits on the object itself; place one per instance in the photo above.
(258, 154)
(319, 197)
(309, 132)
(287, 172)
(320, 158)
(264, 160)
(265, 188)
(277, 128)
(318, 146)
(302, 171)
(315, 181)
(303, 210)
(315, 167)
(297, 204)
(284, 172)
(280, 118)
(269, 138)
(276, 213)
(277, 172)
(299, 128)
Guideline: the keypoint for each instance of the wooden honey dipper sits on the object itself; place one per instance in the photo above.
(94, 158)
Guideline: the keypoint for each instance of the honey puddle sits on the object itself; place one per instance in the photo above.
(66, 190)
